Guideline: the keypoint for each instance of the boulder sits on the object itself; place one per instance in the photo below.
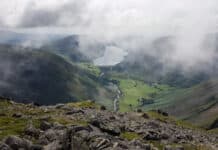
(100, 143)
(32, 131)
(59, 106)
(168, 147)
(49, 136)
(4, 146)
(55, 145)
(17, 143)
(44, 125)
(75, 137)
(106, 127)
(37, 147)
(152, 136)
(138, 143)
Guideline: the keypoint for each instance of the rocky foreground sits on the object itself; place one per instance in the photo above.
(87, 126)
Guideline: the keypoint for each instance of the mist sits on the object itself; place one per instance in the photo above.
(132, 26)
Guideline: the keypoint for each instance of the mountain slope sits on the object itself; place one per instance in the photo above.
(26, 39)
(46, 78)
(198, 104)
(67, 47)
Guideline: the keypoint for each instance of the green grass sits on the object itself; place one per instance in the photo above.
(11, 126)
(213, 131)
(83, 104)
(91, 68)
(130, 135)
(132, 90)
(15, 126)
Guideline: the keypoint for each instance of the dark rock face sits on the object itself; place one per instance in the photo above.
(214, 124)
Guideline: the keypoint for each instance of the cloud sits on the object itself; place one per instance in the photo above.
(1, 23)
(67, 14)
(131, 25)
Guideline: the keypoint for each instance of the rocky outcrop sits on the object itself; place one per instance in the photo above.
(100, 129)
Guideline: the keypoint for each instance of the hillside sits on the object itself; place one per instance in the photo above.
(46, 78)
(88, 126)
(26, 39)
(77, 48)
(198, 104)
(67, 47)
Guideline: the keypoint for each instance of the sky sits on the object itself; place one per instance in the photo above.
(129, 23)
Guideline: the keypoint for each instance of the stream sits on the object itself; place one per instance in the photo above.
(116, 99)
(115, 88)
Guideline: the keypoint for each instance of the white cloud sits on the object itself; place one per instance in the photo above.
(189, 21)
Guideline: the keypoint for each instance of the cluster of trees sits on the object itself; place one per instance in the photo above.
(145, 101)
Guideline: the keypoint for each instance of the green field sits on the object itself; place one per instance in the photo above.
(132, 90)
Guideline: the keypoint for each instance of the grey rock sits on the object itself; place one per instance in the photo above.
(164, 136)
(141, 145)
(179, 148)
(32, 131)
(100, 143)
(75, 137)
(58, 126)
(44, 125)
(55, 145)
(49, 136)
(152, 135)
(168, 147)
(59, 106)
(36, 147)
(17, 143)
(105, 127)
(4, 146)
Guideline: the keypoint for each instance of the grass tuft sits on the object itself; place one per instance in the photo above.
(83, 104)
(130, 135)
